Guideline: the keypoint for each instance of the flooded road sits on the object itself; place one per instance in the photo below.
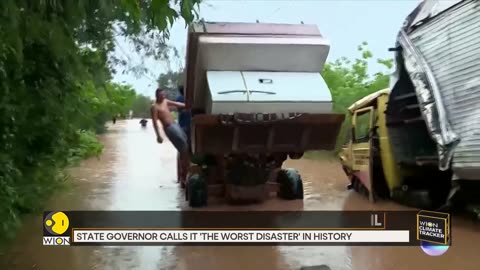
(136, 173)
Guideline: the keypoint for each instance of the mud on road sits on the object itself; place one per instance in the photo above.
(135, 173)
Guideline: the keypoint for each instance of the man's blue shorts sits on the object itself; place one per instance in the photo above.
(178, 137)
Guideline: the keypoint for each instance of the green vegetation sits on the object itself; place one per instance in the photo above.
(349, 81)
(170, 81)
(86, 146)
(56, 91)
(141, 106)
(98, 104)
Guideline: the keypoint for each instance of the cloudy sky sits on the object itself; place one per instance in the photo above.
(346, 23)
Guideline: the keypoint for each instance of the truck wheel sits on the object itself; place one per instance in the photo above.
(197, 191)
(291, 184)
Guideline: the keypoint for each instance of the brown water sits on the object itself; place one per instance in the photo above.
(136, 173)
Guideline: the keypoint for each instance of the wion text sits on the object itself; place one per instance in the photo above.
(56, 241)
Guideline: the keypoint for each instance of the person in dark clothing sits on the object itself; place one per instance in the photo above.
(184, 119)
(184, 116)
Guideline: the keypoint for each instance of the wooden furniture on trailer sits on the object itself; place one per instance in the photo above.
(242, 133)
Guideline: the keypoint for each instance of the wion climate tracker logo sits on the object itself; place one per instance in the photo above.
(55, 229)
(433, 227)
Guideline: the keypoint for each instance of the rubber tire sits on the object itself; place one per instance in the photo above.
(295, 155)
(291, 184)
(197, 191)
(197, 159)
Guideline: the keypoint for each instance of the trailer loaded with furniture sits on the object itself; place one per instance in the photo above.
(257, 98)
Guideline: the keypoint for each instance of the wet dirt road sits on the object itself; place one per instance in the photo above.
(135, 173)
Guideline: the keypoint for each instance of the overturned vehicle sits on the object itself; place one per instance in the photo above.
(425, 137)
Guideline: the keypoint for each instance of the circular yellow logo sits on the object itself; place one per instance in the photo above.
(56, 223)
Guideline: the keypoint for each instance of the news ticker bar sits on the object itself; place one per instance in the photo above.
(236, 236)
(115, 237)
(189, 227)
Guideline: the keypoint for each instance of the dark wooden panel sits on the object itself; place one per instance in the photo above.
(309, 132)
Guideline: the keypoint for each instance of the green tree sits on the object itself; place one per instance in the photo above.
(121, 98)
(55, 85)
(141, 106)
(170, 82)
(349, 81)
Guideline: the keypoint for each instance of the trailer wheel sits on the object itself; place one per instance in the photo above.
(203, 160)
(295, 155)
(196, 191)
(197, 159)
(291, 184)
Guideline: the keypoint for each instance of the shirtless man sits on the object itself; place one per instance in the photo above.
(161, 111)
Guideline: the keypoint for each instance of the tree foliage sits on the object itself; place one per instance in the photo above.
(349, 81)
(55, 80)
(170, 81)
(96, 105)
(141, 106)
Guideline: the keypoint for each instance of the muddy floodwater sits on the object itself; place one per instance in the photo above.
(136, 173)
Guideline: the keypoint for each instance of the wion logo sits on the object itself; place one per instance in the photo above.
(55, 231)
(433, 227)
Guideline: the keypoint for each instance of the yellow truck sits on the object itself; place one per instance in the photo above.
(370, 162)
(390, 156)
